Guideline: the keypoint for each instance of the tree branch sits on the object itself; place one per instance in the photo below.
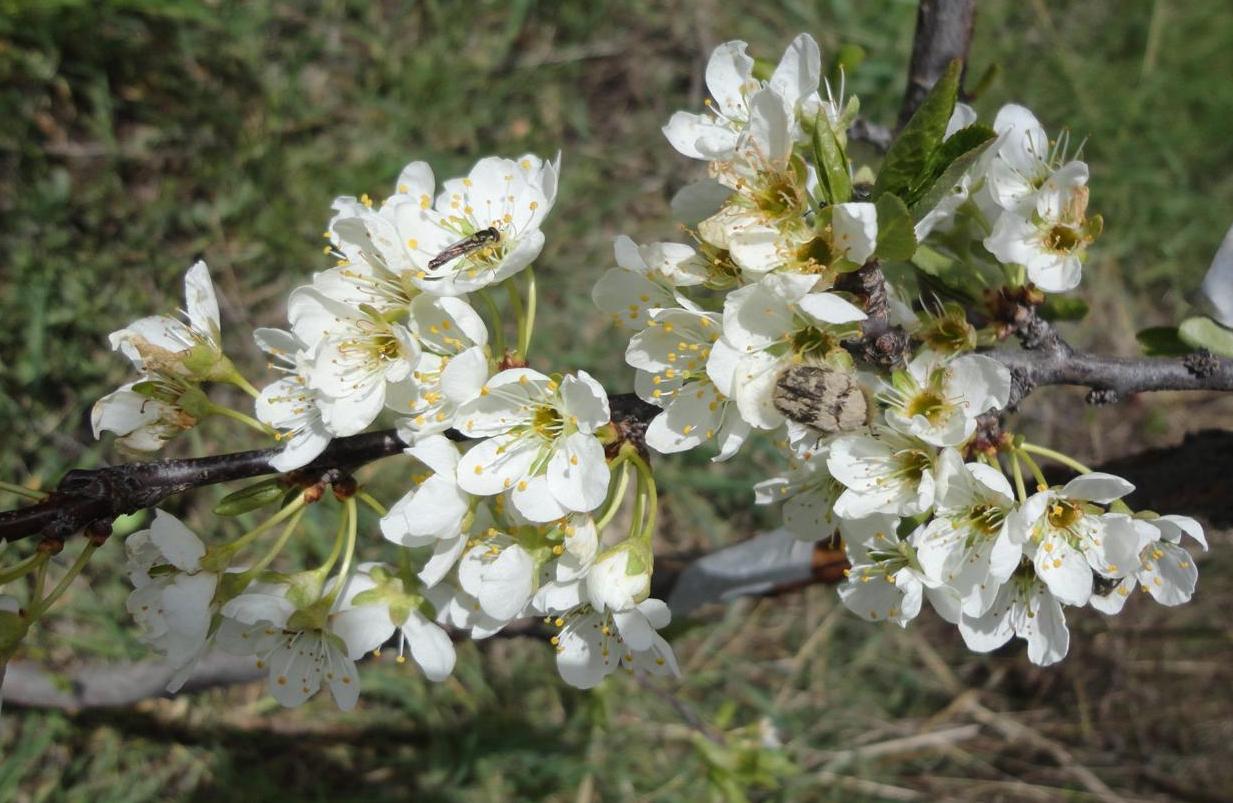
(943, 34)
(86, 496)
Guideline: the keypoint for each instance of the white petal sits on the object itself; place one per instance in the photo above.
(1097, 487)
(578, 472)
(430, 647)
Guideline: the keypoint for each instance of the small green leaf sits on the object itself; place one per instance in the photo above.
(896, 237)
(1203, 332)
(910, 153)
(254, 496)
(832, 162)
(1162, 341)
(1063, 308)
(948, 165)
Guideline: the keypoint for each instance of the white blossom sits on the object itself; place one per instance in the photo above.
(289, 405)
(677, 369)
(730, 80)
(434, 512)
(592, 644)
(647, 277)
(1068, 537)
(939, 401)
(972, 544)
(357, 356)
(173, 604)
(1165, 570)
(374, 606)
(1026, 608)
(539, 443)
(884, 472)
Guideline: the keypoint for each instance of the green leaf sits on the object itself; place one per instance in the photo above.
(910, 153)
(1162, 341)
(832, 162)
(948, 165)
(1063, 308)
(946, 277)
(896, 237)
(255, 496)
(1204, 333)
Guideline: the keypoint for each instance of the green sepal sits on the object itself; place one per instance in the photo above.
(896, 235)
(910, 153)
(1063, 308)
(1162, 341)
(250, 498)
(834, 181)
(1202, 332)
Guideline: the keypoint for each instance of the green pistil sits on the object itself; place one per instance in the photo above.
(810, 340)
(547, 423)
(1062, 239)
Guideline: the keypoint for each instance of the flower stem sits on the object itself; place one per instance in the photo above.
(371, 501)
(246, 420)
(498, 330)
(646, 486)
(46, 602)
(1034, 467)
(277, 547)
(21, 490)
(243, 384)
(247, 538)
(1017, 472)
(528, 329)
(352, 519)
(1056, 456)
(520, 319)
(22, 567)
(343, 525)
(616, 493)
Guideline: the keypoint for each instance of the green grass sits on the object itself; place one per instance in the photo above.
(137, 136)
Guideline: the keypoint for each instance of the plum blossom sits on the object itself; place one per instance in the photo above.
(885, 582)
(1050, 241)
(972, 544)
(1165, 570)
(288, 404)
(592, 644)
(503, 201)
(1024, 607)
(173, 604)
(771, 325)
(885, 472)
(357, 355)
(1069, 537)
(677, 357)
(939, 401)
(539, 444)
(730, 80)
(808, 492)
(435, 512)
(647, 278)
(374, 605)
(300, 655)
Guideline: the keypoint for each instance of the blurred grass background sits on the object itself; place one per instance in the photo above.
(139, 135)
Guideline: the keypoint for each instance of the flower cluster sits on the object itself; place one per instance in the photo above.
(511, 521)
(760, 326)
(806, 308)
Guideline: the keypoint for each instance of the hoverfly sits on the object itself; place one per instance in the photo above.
(465, 246)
